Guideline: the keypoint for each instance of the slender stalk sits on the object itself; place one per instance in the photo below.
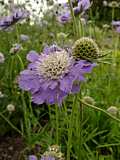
(14, 127)
(80, 138)
(73, 17)
(57, 124)
(99, 109)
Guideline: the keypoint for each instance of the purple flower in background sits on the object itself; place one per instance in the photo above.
(16, 48)
(24, 37)
(47, 158)
(5, 22)
(16, 15)
(51, 76)
(64, 18)
(19, 14)
(116, 24)
(32, 157)
(84, 4)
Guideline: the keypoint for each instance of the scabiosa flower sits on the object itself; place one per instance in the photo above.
(2, 58)
(85, 48)
(64, 18)
(50, 76)
(15, 48)
(24, 37)
(32, 157)
(84, 4)
(16, 15)
(53, 153)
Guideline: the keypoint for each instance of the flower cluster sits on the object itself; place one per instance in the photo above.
(65, 16)
(54, 74)
(16, 15)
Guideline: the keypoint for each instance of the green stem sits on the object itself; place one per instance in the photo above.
(73, 17)
(80, 138)
(57, 124)
(21, 62)
(15, 128)
(99, 109)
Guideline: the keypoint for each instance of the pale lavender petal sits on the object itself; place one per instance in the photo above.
(32, 56)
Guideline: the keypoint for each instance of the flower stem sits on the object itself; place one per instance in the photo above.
(99, 109)
(57, 124)
(73, 17)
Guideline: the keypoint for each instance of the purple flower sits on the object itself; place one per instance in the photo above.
(51, 76)
(24, 37)
(116, 24)
(32, 157)
(5, 22)
(17, 15)
(47, 158)
(84, 4)
(64, 18)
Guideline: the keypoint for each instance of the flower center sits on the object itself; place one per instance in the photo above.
(54, 65)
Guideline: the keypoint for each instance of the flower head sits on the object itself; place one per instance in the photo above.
(113, 110)
(113, 4)
(32, 157)
(64, 18)
(10, 107)
(85, 48)
(2, 58)
(16, 15)
(50, 76)
(53, 153)
(84, 4)
(89, 100)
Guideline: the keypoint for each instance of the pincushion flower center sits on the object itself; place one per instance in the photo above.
(55, 65)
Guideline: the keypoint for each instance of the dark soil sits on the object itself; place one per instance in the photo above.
(11, 147)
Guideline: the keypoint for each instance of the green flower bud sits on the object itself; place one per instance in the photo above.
(88, 100)
(113, 110)
(85, 48)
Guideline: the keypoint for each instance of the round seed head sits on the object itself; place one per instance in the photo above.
(88, 100)
(85, 48)
(113, 110)
(113, 4)
(10, 107)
